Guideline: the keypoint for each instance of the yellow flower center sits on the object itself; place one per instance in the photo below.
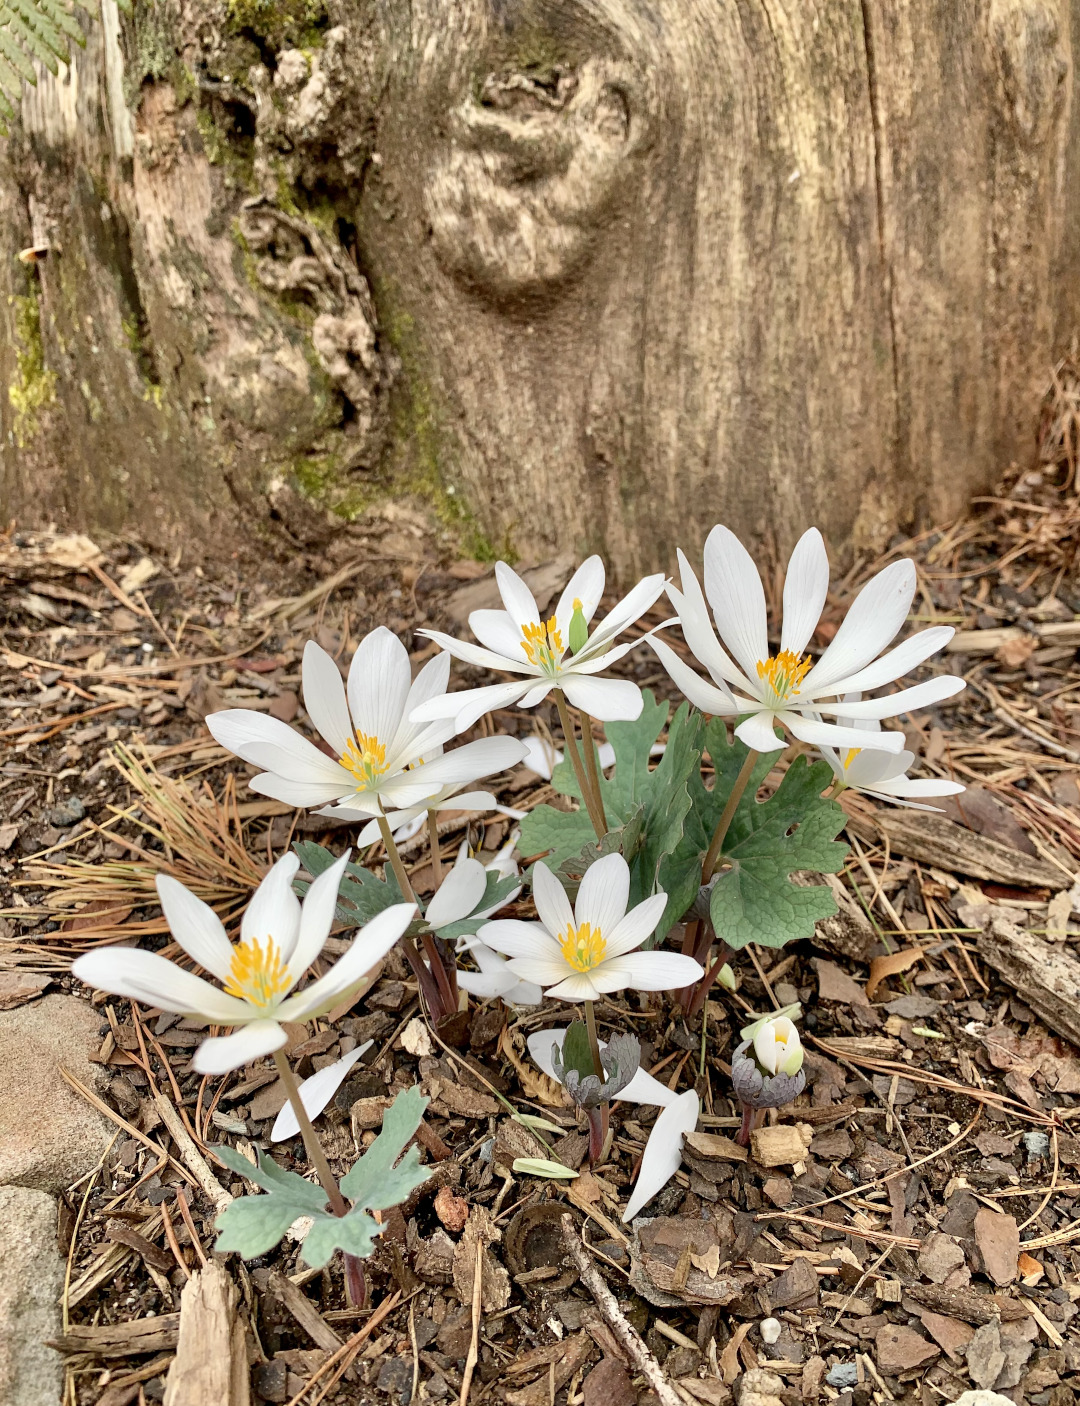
(784, 672)
(850, 755)
(542, 644)
(583, 947)
(257, 974)
(365, 757)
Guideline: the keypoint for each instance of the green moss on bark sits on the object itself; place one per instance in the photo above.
(34, 386)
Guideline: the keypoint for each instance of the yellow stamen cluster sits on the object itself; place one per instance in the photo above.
(583, 947)
(543, 644)
(366, 759)
(257, 974)
(784, 672)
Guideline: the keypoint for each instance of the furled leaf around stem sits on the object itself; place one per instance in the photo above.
(647, 805)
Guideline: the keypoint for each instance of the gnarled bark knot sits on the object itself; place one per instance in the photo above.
(532, 172)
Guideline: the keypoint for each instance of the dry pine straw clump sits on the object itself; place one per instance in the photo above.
(911, 1221)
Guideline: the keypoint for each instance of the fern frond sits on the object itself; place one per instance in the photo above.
(16, 56)
(63, 19)
(33, 44)
(38, 30)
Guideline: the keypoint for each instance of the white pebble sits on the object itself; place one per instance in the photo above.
(770, 1330)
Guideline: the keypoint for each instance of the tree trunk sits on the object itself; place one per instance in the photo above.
(592, 274)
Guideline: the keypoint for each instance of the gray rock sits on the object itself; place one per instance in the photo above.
(844, 1374)
(31, 1279)
(49, 1135)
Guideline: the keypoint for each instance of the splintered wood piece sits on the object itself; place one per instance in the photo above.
(304, 1311)
(132, 1339)
(211, 1366)
(1046, 976)
(933, 839)
(785, 1145)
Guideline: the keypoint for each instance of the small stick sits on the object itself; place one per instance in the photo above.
(190, 1155)
(616, 1320)
(474, 1344)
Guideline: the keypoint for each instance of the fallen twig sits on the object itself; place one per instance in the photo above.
(627, 1336)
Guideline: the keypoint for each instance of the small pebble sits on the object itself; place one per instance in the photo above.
(68, 812)
(844, 1374)
(769, 1329)
(1037, 1144)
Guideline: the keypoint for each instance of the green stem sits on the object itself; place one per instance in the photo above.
(594, 1041)
(338, 1203)
(575, 762)
(592, 764)
(433, 842)
(395, 859)
(732, 805)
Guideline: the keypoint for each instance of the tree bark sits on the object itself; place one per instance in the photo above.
(605, 272)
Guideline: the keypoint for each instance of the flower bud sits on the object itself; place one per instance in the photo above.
(766, 1069)
(726, 977)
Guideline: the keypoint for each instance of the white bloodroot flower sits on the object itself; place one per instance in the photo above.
(384, 761)
(788, 687)
(554, 653)
(777, 1046)
(884, 776)
(279, 940)
(579, 953)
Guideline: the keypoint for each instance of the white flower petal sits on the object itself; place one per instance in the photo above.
(632, 607)
(877, 612)
(410, 739)
(274, 910)
(697, 628)
(518, 599)
(920, 786)
(539, 1045)
(458, 894)
(302, 794)
(155, 981)
(543, 971)
(515, 938)
(196, 927)
(638, 924)
(647, 971)
(316, 918)
(552, 904)
(819, 733)
(266, 742)
(706, 696)
(907, 655)
(324, 698)
(541, 756)
(578, 986)
(472, 654)
(316, 1092)
(805, 588)
(891, 705)
(472, 703)
(498, 632)
(536, 694)
(644, 1088)
(379, 681)
(663, 1151)
(586, 585)
(757, 732)
(222, 1053)
(369, 946)
(737, 597)
(603, 893)
(609, 700)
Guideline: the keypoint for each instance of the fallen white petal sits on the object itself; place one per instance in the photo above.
(316, 1093)
(663, 1152)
